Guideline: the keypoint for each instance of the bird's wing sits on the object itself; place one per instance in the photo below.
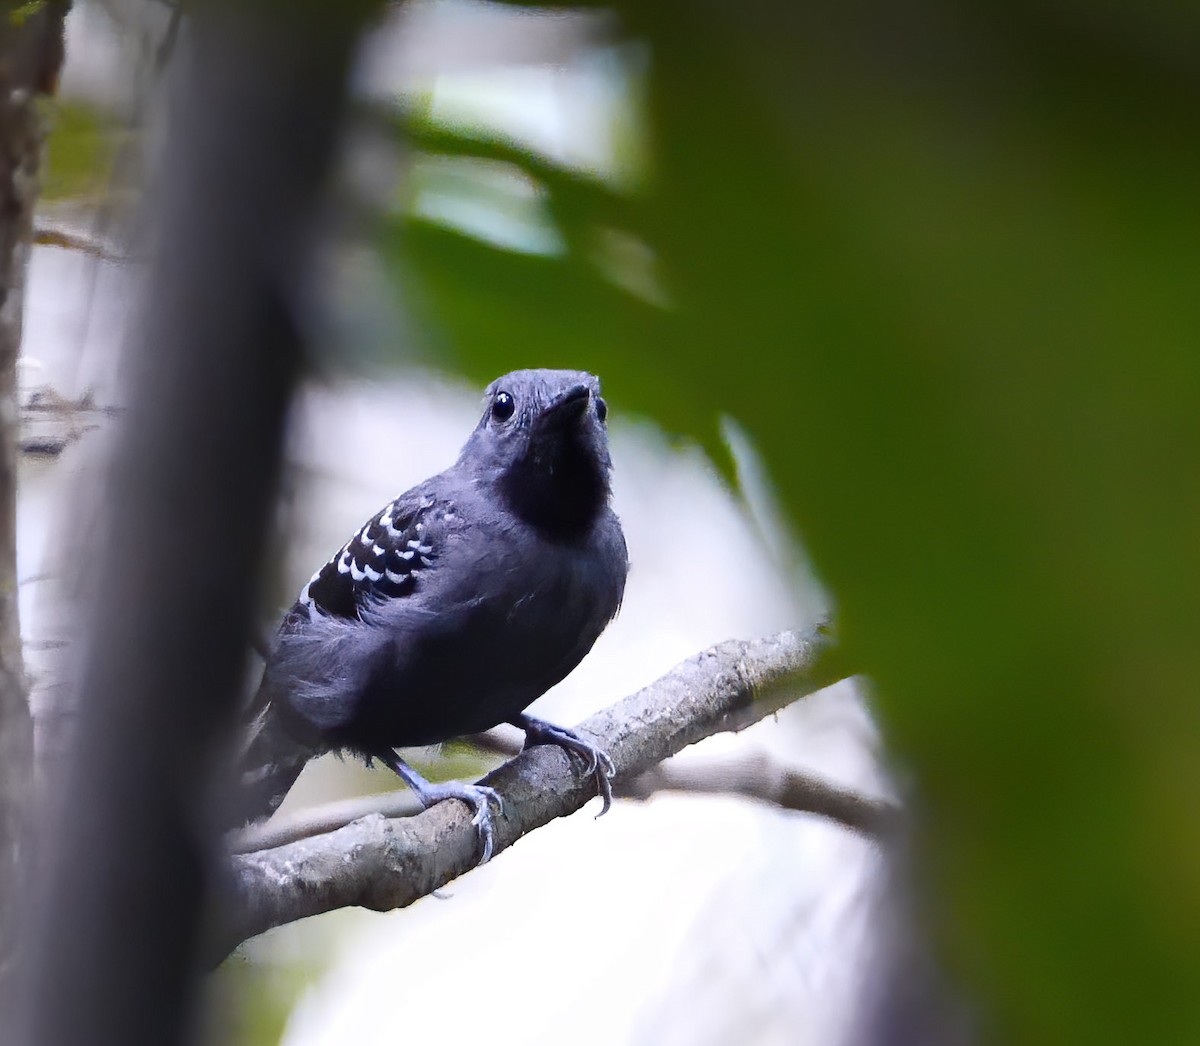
(382, 561)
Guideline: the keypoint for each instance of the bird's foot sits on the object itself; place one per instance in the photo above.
(597, 761)
(478, 797)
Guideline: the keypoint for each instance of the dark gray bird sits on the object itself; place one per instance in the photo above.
(457, 605)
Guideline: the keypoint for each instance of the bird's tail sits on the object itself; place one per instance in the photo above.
(269, 766)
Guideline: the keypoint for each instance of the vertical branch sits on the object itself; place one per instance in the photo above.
(118, 919)
(30, 58)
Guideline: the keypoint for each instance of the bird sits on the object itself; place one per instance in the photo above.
(455, 606)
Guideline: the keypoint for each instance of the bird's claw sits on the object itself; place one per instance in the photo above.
(597, 762)
(487, 795)
(477, 797)
(604, 778)
(480, 799)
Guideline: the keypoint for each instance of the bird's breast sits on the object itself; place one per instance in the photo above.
(491, 638)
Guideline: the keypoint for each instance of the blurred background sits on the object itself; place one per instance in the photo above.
(896, 311)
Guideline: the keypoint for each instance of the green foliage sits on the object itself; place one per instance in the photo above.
(944, 269)
(250, 1002)
(21, 13)
(485, 304)
(80, 154)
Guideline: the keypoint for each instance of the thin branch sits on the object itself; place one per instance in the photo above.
(320, 820)
(750, 775)
(758, 775)
(50, 421)
(46, 235)
(384, 863)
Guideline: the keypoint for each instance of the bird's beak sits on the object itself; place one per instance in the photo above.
(568, 407)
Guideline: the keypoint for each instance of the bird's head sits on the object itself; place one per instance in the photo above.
(543, 443)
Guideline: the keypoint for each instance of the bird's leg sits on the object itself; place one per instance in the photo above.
(599, 765)
(477, 797)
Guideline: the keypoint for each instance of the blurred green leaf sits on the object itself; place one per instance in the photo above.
(253, 1000)
(80, 154)
(19, 14)
(943, 266)
(579, 199)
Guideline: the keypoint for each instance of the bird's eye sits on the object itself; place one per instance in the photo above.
(503, 406)
(601, 409)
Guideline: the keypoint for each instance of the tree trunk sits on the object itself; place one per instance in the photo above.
(31, 53)
(131, 848)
